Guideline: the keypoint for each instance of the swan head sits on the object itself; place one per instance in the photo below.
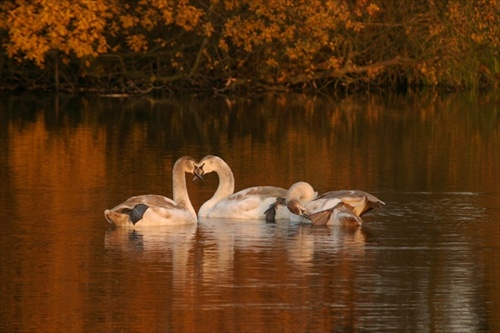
(296, 207)
(207, 164)
(298, 195)
(187, 164)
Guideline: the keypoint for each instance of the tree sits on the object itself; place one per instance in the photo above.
(141, 45)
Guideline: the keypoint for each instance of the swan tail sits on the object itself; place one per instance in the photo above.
(107, 215)
(116, 218)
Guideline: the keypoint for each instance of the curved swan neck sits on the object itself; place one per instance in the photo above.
(179, 187)
(226, 180)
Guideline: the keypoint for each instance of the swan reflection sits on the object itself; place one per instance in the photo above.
(341, 241)
(168, 243)
(223, 239)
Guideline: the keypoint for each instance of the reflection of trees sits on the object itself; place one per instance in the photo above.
(355, 142)
(88, 154)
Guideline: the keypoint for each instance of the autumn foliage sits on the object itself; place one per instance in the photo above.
(145, 45)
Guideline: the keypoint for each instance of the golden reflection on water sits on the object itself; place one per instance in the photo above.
(63, 164)
(231, 273)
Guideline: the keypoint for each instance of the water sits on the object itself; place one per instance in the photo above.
(427, 262)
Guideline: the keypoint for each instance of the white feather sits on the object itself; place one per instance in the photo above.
(161, 210)
(247, 204)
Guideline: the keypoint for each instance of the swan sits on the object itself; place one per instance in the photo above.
(247, 204)
(343, 207)
(157, 210)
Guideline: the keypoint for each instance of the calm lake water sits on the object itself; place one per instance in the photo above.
(429, 261)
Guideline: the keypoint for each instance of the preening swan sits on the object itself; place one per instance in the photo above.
(155, 210)
(336, 207)
(248, 204)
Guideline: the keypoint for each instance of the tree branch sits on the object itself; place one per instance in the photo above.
(331, 74)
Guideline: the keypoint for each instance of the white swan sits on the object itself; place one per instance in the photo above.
(157, 210)
(248, 204)
(336, 207)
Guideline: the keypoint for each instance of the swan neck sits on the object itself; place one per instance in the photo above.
(179, 190)
(224, 189)
(226, 181)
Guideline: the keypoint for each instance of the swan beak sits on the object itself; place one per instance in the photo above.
(197, 176)
(280, 201)
(198, 173)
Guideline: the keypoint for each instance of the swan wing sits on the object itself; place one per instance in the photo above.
(321, 204)
(250, 203)
(136, 210)
(148, 199)
(344, 215)
(157, 216)
(245, 207)
(341, 214)
(320, 218)
(361, 201)
(259, 191)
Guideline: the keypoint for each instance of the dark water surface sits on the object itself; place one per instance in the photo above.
(427, 262)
